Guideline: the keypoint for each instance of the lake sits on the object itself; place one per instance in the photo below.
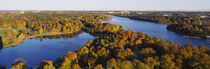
(154, 29)
(33, 51)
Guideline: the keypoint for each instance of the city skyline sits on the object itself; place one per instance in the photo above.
(140, 5)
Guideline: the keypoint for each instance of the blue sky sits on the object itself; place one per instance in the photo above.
(158, 5)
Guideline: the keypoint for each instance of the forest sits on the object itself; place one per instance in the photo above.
(185, 23)
(115, 48)
(17, 27)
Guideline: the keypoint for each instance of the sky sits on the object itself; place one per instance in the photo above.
(141, 5)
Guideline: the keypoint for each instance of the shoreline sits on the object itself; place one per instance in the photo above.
(33, 36)
(194, 37)
(142, 20)
(185, 36)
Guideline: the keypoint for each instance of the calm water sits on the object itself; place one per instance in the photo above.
(156, 30)
(33, 51)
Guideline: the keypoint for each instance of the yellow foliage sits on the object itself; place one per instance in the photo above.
(14, 32)
(112, 64)
(4, 41)
(40, 30)
(147, 51)
(99, 66)
(20, 65)
(71, 56)
(21, 36)
(65, 65)
(47, 65)
(126, 54)
(83, 50)
(76, 66)
(138, 42)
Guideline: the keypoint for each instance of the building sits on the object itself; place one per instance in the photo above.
(204, 16)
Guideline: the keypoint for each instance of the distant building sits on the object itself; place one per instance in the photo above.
(37, 11)
(110, 12)
(21, 12)
(203, 16)
(139, 12)
(125, 12)
(165, 14)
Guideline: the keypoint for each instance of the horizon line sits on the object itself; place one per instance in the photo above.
(118, 10)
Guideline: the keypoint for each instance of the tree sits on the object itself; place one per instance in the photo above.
(83, 50)
(65, 65)
(15, 32)
(92, 58)
(40, 30)
(112, 64)
(46, 65)
(127, 54)
(153, 63)
(166, 62)
(76, 66)
(21, 36)
(64, 29)
(141, 65)
(102, 52)
(146, 52)
(99, 66)
(20, 65)
(71, 56)
(138, 42)
(126, 65)
(148, 42)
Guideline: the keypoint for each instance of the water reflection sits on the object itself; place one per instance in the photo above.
(1, 44)
(34, 50)
(60, 36)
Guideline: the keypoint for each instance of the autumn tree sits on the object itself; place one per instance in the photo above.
(46, 65)
(20, 65)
